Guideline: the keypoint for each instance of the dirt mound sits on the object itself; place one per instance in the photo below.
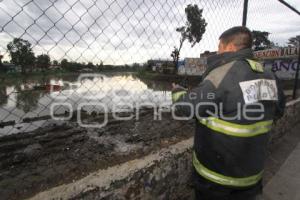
(33, 162)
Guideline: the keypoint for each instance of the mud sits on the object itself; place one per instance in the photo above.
(61, 154)
(55, 155)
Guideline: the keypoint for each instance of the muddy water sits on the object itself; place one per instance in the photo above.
(33, 103)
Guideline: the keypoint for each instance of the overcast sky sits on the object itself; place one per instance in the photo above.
(128, 31)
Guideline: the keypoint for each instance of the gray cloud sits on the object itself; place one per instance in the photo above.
(119, 31)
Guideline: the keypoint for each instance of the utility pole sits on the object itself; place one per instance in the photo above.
(297, 73)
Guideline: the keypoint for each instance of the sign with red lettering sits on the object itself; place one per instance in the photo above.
(277, 53)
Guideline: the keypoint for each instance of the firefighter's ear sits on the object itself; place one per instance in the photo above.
(233, 47)
(226, 47)
(221, 47)
(230, 47)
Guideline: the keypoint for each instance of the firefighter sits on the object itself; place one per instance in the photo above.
(234, 108)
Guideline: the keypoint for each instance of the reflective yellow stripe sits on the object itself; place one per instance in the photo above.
(237, 130)
(256, 66)
(177, 95)
(224, 180)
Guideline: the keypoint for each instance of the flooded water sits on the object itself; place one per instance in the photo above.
(32, 103)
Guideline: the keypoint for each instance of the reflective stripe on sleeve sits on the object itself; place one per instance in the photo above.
(224, 180)
(177, 95)
(256, 66)
(237, 130)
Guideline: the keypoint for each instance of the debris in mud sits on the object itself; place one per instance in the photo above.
(53, 155)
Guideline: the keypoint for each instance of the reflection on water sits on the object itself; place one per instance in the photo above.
(3, 95)
(27, 100)
(34, 99)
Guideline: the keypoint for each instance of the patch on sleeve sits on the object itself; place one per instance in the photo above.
(259, 90)
(256, 66)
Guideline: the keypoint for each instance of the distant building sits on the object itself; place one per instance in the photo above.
(161, 65)
(206, 54)
(194, 66)
(55, 67)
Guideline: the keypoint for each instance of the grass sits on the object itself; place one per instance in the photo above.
(18, 78)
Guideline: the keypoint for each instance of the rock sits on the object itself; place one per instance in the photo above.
(18, 158)
(32, 149)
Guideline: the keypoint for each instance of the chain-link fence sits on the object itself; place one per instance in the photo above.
(71, 37)
(282, 25)
(97, 36)
(67, 67)
(115, 32)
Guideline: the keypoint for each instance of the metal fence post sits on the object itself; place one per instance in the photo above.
(297, 73)
(245, 11)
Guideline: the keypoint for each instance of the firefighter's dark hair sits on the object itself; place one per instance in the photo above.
(240, 36)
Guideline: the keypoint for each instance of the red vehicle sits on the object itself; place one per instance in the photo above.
(52, 88)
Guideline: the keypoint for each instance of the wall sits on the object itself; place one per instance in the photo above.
(282, 61)
(285, 69)
(162, 175)
(290, 118)
(192, 66)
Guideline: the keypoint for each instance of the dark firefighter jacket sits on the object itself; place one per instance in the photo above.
(234, 107)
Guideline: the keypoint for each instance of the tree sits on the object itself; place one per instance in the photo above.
(193, 30)
(261, 40)
(1, 57)
(64, 63)
(55, 62)
(43, 61)
(150, 64)
(90, 65)
(175, 56)
(135, 66)
(99, 66)
(294, 41)
(21, 53)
